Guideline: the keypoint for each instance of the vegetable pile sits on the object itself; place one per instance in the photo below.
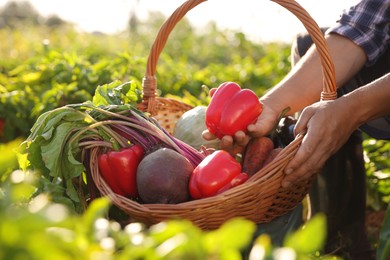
(136, 158)
(60, 140)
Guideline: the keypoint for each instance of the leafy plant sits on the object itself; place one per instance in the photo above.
(8, 158)
(37, 228)
(378, 172)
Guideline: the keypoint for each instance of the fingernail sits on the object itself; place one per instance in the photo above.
(288, 171)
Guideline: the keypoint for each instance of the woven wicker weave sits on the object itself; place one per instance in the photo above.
(261, 198)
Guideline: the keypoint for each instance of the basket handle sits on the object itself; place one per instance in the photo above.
(149, 82)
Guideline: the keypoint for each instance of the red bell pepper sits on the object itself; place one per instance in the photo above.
(232, 109)
(217, 173)
(119, 169)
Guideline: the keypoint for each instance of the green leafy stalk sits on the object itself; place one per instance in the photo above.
(50, 153)
(53, 146)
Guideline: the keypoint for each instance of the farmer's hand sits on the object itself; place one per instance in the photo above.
(232, 144)
(236, 144)
(328, 125)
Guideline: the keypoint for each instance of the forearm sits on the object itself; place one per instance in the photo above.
(368, 102)
(303, 85)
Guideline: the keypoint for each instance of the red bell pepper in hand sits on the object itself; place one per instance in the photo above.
(218, 172)
(119, 169)
(231, 109)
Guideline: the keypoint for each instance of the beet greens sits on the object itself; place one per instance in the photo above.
(61, 138)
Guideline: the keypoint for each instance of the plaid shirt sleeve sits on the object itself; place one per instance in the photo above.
(368, 25)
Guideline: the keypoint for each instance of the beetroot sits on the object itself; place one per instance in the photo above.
(163, 177)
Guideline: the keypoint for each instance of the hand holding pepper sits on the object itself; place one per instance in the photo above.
(260, 127)
(231, 109)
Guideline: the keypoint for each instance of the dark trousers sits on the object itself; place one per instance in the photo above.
(339, 190)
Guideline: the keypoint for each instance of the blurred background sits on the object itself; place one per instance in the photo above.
(260, 19)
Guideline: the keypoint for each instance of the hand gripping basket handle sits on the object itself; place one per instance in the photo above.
(149, 83)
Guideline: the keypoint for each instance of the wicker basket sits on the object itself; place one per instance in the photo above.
(261, 198)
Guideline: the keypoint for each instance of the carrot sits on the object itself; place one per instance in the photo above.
(256, 153)
(272, 155)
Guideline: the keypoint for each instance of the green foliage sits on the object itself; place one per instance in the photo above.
(377, 154)
(53, 149)
(55, 67)
(51, 81)
(8, 158)
(314, 231)
(116, 93)
(37, 228)
(303, 244)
